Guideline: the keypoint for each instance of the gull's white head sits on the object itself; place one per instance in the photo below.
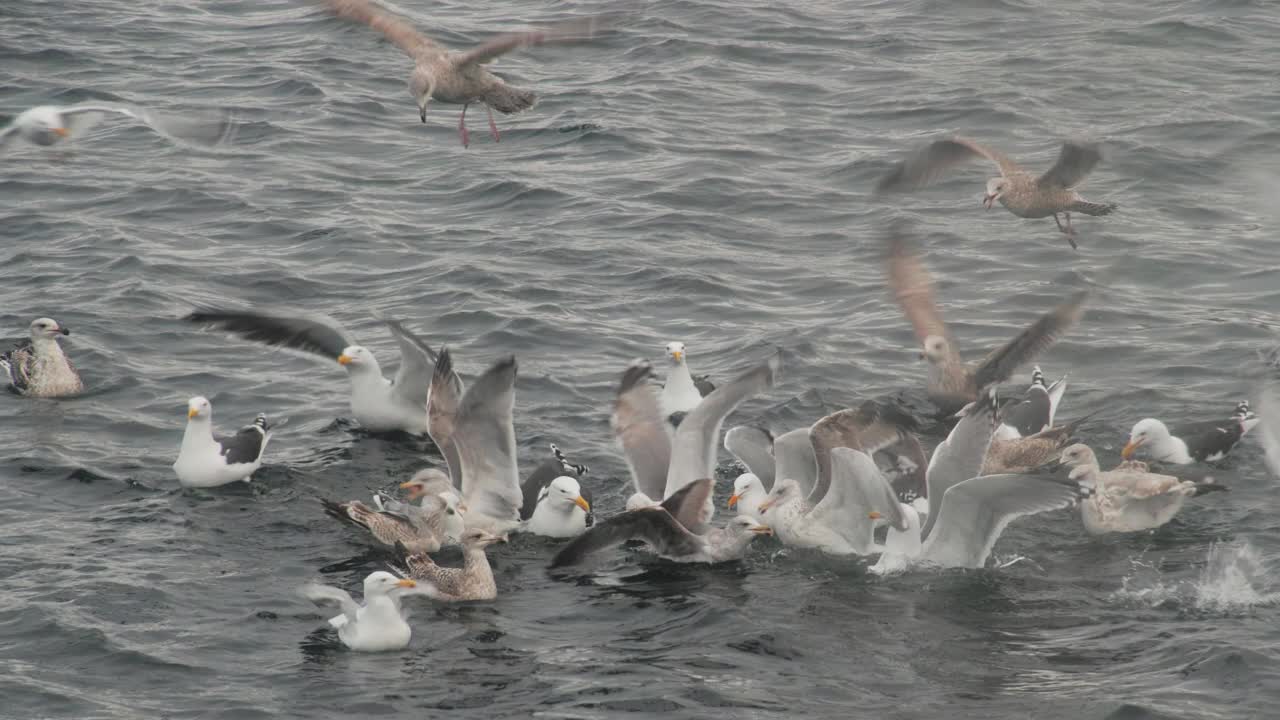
(46, 329)
(1149, 431)
(934, 349)
(1077, 455)
(748, 526)
(199, 407)
(676, 351)
(782, 493)
(996, 188)
(383, 582)
(565, 491)
(477, 538)
(421, 85)
(357, 359)
(427, 482)
(744, 485)
(42, 125)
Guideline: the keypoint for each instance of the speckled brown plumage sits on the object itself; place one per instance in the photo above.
(473, 581)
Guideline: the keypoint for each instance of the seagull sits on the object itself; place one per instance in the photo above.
(555, 504)
(1128, 498)
(748, 492)
(1022, 193)
(834, 516)
(378, 404)
(1192, 442)
(1023, 454)
(38, 367)
(480, 446)
(660, 465)
(205, 460)
(1036, 412)
(665, 529)
(377, 625)
(682, 392)
(47, 125)
(473, 581)
(460, 77)
(952, 382)
(422, 528)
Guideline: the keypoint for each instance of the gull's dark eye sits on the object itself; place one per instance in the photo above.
(449, 511)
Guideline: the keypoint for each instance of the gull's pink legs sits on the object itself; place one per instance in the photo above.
(493, 127)
(462, 126)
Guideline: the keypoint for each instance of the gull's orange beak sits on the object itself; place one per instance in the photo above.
(762, 530)
(61, 132)
(582, 503)
(733, 500)
(874, 515)
(192, 412)
(677, 355)
(407, 583)
(344, 359)
(1130, 448)
(415, 489)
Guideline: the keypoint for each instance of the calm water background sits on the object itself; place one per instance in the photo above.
(702, 175)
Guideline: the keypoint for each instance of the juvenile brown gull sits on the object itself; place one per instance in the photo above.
(461, 78)
(661, 528)
(1026, 453)
(1206, 441)
(952, 382)
(426, 527)
(473, 581)
(1022, 193)
(49, 124)
(1129, 498)
(377, 625)
(205, 460)
(378, 404)
(38, 367)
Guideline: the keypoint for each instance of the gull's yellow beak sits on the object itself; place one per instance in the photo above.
(676, 355)
(762, 530)
(344, 359)
(733, 500)
(874, 515)
(61, 132)
(582, 503)
(192, 412)
(415, 489)
(1129, 448)
(407, 583)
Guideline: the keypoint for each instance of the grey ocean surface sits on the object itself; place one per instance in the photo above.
(702, 174)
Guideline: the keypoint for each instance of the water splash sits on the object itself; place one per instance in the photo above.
(1233, 579)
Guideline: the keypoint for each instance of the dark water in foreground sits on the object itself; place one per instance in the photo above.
(703, 175)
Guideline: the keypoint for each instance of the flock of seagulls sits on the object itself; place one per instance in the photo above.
(857, 482)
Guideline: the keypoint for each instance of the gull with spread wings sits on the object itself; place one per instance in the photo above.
(952, 382)
(460, 77)
(1022, 193)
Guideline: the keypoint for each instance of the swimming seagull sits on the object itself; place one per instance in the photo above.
(663, 530)
(1023, 454)
(461, 78)
(1036, 411)
(205, 460)
(420, 528)
(38, 367)
(49, 124)
(1192, 442)
(952, 382)
(1128, 498)
(377, 625)
(378, 404)
(748, 493)
(682, 392)
(1022, 193)
(555, 504)
(834, 516)
(473, 581)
